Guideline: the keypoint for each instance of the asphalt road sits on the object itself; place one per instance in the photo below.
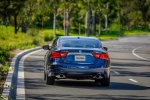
(130, 75)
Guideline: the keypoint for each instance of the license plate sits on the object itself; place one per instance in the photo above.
(83, 67)
(79, 58)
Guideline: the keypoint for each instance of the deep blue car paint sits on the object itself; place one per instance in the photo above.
(67, 66)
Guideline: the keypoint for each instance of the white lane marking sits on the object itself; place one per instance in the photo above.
(21, 84)
(36, 56)
(133, 80)
(116, 72)
(8, 82)
(133, 52)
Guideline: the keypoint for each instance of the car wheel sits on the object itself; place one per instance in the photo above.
(105, 82)
(50, 80)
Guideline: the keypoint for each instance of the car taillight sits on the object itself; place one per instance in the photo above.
(101, 56)
(58, 54)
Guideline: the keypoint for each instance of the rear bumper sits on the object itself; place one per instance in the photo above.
(81, 76)
(78, 73)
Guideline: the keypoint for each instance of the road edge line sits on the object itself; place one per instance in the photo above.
(9, 80)
(133, 52)
(133, 80)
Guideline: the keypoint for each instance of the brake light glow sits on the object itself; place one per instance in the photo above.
(58, 54)
(101, 56)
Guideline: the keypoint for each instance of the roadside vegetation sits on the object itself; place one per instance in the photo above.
(29, 23)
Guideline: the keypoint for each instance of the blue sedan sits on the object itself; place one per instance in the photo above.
(76, 57)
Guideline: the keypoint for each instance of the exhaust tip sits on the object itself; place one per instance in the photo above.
(61, 75)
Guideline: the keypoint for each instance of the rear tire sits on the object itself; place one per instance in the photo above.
(50, 80)
(105, 82)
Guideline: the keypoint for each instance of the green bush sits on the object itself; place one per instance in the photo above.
(4, 68)
(48, 37)
(36, 41)
(3, 37)
(33, 32)
(4, 55)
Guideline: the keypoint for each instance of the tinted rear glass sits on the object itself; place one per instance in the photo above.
(82, 43)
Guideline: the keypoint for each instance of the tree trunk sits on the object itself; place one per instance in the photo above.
(79, 29)
(119, 29)
(15, 23)
(119, 20)
(106, 24)
(24, 27)
(64, 23)
(54, 25)
(87, 25)
(99, 27)
(106, 18)
(67, 22)
(93, 22)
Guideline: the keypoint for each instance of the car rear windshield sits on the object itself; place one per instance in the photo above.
(82, 43)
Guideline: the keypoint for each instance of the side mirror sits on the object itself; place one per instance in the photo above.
(105, 48)
(46, 47)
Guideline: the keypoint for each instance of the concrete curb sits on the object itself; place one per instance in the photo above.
(11, 81)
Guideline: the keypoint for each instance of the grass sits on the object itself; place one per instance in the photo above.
(103, 36)
(10, 42)
(136, 32)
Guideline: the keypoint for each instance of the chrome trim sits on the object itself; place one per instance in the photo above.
(61, 76)
(98, 76)
(80, 54)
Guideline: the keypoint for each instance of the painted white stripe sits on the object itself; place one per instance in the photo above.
(116, 72)
(21, 84)
(7, 84)
(133, 80)
(133, 52)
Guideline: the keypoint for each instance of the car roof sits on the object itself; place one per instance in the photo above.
(77, 37)
(68, 38)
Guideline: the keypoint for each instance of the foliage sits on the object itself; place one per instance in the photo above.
(20, 40)
(136, 32)
(48, 37)
(11, 8)
(33, 32)
(4, 69)
(65, 14)
(4, 55)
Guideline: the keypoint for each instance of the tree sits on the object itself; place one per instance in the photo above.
(5, 10)
(55, 9)
(11, 8)
(68, 7)
(46, 13)
(87, 24)
(135, 14)
(15, 7)
(99, 15)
